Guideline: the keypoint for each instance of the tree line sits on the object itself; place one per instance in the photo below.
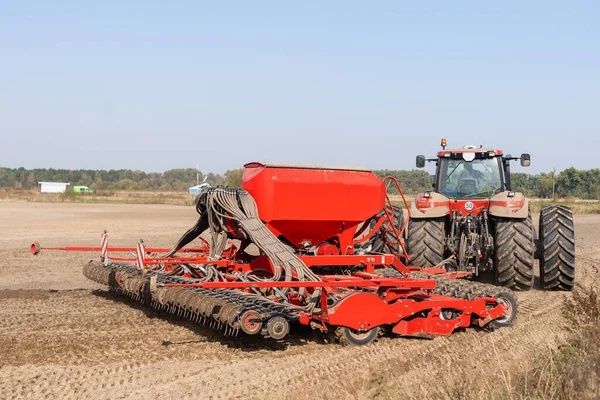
(583, 184)
(120, 179)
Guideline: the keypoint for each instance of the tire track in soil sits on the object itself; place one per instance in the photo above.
(416, 364)
(413, 362)
(78, 345)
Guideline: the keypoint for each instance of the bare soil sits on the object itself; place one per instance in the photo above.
(62, 336)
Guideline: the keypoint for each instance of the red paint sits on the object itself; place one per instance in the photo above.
(328, 249)
(408, 283)
(310, 206)
(515, 205)
(422, 202)
(477, 206)
(461, 151)
(119, 249)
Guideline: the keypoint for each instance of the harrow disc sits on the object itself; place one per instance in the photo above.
(203, 304)
(225, 311)
(208, 306)
(233, 320)
(196, 302)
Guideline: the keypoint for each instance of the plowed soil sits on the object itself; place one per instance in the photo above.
(62, 336)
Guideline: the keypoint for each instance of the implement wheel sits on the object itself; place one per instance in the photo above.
(557, 253)
(250, 322)
(514, 253)
(425, 243)
(509, 301)
(348, 336)
(278, 327)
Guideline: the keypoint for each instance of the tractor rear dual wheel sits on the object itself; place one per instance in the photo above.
(514, 253)
(557, 255)
(425, 243)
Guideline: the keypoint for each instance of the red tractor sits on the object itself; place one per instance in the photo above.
(474, 221)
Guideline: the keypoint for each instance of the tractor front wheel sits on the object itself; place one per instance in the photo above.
(514, 253)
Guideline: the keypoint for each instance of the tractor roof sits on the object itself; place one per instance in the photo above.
(469, 149)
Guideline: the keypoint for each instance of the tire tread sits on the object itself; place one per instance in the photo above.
(557, 238)
(514, 253)
(425, 243)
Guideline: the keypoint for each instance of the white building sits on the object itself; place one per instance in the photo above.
(53, 187)
(198, 189)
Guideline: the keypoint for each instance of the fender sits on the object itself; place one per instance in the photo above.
(505, 206)
(435, 206)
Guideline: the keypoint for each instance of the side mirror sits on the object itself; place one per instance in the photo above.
(525, 160)
(420, 161)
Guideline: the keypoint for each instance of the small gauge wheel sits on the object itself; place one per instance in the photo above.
(250, 322)
(348, 336)
(509, 302)
(278, 327)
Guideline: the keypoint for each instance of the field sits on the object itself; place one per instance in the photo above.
(183, 198)
(103, 196)
(62, 336)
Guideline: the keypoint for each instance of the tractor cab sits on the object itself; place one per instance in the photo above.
(468, 180)
(469, 173)
(472, 172)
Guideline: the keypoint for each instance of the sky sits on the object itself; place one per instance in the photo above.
(154, 85)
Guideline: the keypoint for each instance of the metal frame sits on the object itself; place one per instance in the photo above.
(407, 304)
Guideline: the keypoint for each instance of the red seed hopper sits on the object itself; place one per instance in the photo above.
(309, 205)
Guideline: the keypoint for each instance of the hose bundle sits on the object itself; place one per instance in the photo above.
(218, 207)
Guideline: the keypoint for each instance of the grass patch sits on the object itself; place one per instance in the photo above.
(572, 371)
(98, 197)
(577, 206)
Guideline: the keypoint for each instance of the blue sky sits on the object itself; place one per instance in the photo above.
(155, 85)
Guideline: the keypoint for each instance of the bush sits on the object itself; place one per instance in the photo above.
(68, 195)
(574, 370)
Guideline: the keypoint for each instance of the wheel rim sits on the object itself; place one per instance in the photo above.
(248, 323)
(278, 327)
(507, 304)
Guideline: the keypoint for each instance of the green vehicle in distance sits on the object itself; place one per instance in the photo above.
(82, 189)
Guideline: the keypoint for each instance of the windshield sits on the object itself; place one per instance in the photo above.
(460, 179)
